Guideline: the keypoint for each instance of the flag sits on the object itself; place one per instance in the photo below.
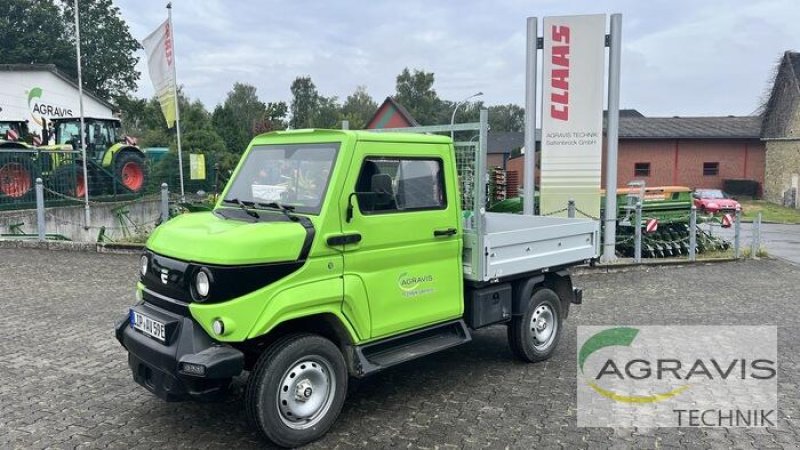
(161, 64)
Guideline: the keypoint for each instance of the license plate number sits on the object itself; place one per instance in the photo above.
(148, 326)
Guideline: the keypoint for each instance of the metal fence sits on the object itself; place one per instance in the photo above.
(62, 175)
(680, 236)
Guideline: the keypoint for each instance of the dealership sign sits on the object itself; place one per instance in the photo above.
(41, 109)
(572, 113)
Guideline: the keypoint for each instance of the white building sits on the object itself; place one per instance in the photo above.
(31, 92)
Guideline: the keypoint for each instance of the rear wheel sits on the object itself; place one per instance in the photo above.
(130, 171)
(297, 389)
(534, 335)
(68, 180)
(17, 176)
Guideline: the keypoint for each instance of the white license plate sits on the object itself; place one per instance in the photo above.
(148, 326)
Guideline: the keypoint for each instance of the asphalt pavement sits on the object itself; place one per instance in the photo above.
(779, 240)
(65, 382)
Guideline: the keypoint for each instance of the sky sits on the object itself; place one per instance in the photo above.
(679, 57)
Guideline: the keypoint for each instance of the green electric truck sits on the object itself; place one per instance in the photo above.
(336, 254)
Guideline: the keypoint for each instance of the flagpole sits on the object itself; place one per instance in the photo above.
(82, 132)
(177, 103)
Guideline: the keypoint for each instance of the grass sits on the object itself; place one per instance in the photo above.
(770, 212)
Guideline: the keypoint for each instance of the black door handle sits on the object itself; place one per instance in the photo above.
(344, 239)
(445, 232)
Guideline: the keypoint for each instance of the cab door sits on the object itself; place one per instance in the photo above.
(408, 249)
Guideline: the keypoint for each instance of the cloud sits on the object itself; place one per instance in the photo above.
(679, 57)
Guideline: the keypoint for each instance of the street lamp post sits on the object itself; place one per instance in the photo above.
(453, 117)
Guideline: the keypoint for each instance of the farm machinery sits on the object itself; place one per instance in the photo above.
(115, 164)
(12, 131)
(664, 221)
(666, 209)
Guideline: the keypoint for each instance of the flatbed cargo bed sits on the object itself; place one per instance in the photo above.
(515, 244)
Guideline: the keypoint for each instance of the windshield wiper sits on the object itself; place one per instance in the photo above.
(243, 204)
(285, 209)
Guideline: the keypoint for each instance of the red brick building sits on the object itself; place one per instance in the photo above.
(698, 152)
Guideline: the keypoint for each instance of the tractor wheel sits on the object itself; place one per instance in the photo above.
(68, 180)
(130, 171)
(17, 175)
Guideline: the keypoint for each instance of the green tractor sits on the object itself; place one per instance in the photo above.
(112, 160)
(115, 164)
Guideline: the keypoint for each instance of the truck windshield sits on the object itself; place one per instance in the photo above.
(294, 175)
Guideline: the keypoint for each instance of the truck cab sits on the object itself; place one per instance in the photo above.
(330, 255)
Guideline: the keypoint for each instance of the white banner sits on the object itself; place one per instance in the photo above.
(160, 63)
(572, 113)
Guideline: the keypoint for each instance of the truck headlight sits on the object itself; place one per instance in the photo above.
(202, 284)
(145, 262)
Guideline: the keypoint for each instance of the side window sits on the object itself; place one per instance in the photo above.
(400, 184)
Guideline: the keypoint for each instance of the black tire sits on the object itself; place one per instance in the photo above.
(17, 177)
(283, 380)
(522, 336)
(130, 171)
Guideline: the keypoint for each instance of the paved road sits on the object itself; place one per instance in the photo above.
(64, 381)
(781, 241)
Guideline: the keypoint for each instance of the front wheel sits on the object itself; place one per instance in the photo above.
(534, 335)
(297, 389)
(17, 175)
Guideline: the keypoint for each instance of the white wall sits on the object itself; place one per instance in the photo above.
(58, 98)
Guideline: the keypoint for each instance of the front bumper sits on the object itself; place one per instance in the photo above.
(189, 364)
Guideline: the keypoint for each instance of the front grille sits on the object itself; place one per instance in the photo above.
(166, 303)
(168, 277)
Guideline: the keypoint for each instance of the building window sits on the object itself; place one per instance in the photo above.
(641, 169)
(711, 169)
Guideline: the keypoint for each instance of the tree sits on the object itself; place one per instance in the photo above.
(310, 109)
(508, 117)
(358, 108)
(107, 48)
(32, 31)
(243, 115)
(275, 118)
(415, 92)
(328, 113)
(304, 102)
(235, 118)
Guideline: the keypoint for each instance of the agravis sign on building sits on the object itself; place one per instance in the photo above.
(572, 112)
